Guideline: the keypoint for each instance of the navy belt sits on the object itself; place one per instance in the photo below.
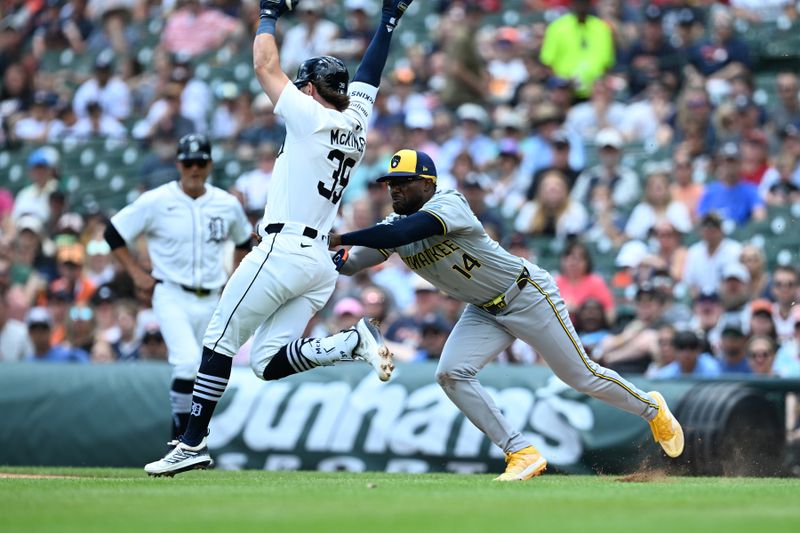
(198, 291)
(311, 233)
(499, 304)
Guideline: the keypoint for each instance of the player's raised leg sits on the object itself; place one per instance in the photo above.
(541, 319)
(476, 340)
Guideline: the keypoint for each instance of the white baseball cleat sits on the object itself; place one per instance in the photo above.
(181, 459)
(372, 349)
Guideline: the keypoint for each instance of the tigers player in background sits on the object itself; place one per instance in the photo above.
(438, 237)
(289, 276)
(187, 224)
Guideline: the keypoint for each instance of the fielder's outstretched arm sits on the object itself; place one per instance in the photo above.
(266, 62)
(358, 259)
(416, 227)
(371, 67)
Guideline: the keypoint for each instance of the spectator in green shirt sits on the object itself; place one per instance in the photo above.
(578, 46)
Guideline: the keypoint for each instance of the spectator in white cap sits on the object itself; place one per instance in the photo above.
(611, 172)
(657, 205)
(734, 293)
(469, 137)
(34, 199)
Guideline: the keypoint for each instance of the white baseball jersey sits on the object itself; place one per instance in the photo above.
(322, 147)
(185, 237)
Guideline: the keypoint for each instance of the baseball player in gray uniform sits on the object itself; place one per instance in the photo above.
(438, 237)
(187, 224)
(289, 276)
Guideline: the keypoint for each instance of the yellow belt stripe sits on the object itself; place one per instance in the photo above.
(384, 252)
(444, 226)
(580, 352)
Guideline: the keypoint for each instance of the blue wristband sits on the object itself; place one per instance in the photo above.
(267, 25)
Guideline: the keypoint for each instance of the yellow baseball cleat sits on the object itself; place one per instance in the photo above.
(666, 429)
(523, 464)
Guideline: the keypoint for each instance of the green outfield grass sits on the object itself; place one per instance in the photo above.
(121, 500)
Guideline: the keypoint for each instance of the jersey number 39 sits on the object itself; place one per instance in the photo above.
(340, 177)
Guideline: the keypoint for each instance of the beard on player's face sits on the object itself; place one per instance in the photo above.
(408, 197)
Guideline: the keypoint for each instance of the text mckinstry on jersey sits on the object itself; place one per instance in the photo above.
(348, 139)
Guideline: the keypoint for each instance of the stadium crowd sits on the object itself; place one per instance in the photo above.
(577, 130)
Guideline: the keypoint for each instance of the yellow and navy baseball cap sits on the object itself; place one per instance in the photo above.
(410, 164)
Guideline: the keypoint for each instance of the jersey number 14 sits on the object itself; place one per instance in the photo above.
(340, 177)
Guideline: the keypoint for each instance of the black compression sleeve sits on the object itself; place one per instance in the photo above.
(244, 245)
(418, 226)
(112, 237)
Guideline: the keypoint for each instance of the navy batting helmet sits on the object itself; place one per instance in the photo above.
(324, 70)
(194, 146)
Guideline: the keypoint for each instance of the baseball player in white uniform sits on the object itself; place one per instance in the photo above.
(187, 224)
(289, 276)
(438, 237)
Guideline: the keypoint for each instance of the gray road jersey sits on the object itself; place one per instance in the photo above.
(464, 262)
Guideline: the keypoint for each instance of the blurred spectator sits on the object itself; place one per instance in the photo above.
(251, 188)
(761, 10)
(652, 56)
(552, 213)
(195, 28)
(99, 269)
(706, 313)
(314, 35)
(358, 30)
(665, 355)
(34, 199)
(35, 126)
(690, 361)
(376, 304)
(16, 91)
(600, 113)
(508, 186)
(755, 158)
(761, 323)
(684, 189)
(103, 302)
(670, 248)
(577, 283)
(105, 88)
(59, 28)
(734, 292)
(761, 355)
(346, 313)
(466, 78)
(657, 206)
(752, 257)
(632, 350)
(227, 119)
(98, 125)
(39, 323)
(165, 117)
(781, 184)
(786, 108)
(102, 352)
(70, 274)
(784, 291)
(787, 360)
(81, 324)
(591, 324)
(406, 328)
(14, 342)
(647, 118)
(196, 98)
(116, 30)
(722, 55)
(126, 347)
(611, 172)
(733, 350)
(506, 69)
(730, 196)
(469, 137)
(559, 144)
(706, 259)
(692, 121)
(578, 46)
(263, 127)
(433, 335)
(158, 166)
(475, 189)
(153, 347)
(538, 150)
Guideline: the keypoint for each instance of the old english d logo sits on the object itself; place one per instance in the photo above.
(395, 161)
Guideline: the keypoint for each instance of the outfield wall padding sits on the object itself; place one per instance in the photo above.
(343, 418)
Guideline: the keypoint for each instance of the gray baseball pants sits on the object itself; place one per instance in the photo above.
(537, 316)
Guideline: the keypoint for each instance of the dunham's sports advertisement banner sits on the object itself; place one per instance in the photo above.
(329, 419)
